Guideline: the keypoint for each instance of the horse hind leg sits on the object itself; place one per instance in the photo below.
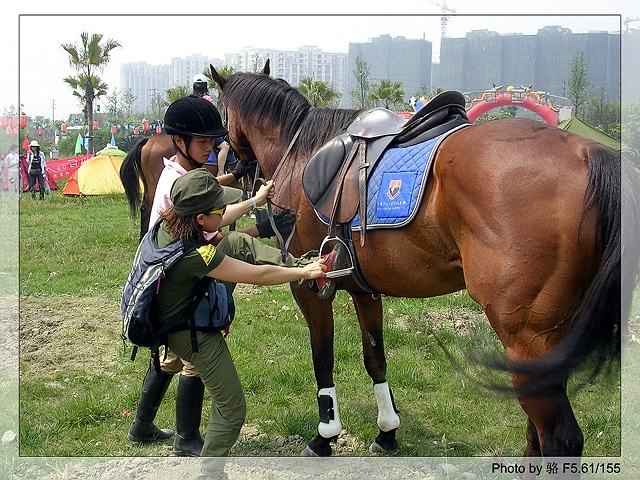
(145, 216)
(552, 428)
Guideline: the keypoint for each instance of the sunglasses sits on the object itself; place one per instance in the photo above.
(218, 211)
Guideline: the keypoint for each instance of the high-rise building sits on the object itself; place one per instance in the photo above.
(142, 80)
(543, 61)
(145, 80)
(397, 59)
(184, 69)
(474, 63)
(306, 61)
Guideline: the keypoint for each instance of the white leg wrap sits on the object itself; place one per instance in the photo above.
(329, 425)
(388, 419)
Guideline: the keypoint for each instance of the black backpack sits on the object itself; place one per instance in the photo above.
(212, 307)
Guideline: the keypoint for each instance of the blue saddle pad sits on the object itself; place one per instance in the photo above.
(396, 185)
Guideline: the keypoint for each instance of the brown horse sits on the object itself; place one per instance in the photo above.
(523, 215)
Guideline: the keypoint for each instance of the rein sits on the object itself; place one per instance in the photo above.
(284, 244)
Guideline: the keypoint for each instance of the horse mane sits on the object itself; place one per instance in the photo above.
(275, 102)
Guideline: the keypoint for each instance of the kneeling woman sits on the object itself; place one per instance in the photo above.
(199, 202)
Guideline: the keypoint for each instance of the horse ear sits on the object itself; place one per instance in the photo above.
(217, 77)
(265, 70)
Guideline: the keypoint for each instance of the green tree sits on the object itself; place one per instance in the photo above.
(90, 57)
(423, 94)
(127, 100)
(603, 113)
(157, 104)
(114, 107)
(387, 94)
(631, 125)
(360, 94)
(319, 93)
(578, 85)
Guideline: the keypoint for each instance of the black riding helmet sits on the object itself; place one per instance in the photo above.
(193, 116)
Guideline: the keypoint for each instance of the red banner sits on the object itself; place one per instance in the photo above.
(65, 167)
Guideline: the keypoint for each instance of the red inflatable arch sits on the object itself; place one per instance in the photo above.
(547, 114)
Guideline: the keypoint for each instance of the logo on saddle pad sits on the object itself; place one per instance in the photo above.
(394, 189)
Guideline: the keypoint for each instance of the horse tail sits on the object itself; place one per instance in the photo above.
(131, 174)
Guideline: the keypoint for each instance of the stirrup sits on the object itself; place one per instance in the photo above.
(343, 271)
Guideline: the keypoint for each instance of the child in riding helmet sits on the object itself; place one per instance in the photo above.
(193, 123)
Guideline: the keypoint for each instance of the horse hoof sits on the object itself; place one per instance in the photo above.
(307, 452)
(375, 447)
(385, 442)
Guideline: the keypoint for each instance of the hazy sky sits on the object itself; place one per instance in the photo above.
(157, 39)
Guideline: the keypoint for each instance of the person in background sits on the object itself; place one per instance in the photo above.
(201, 87)
(12, 165)
(36, 167)
(2, 162)
(221, 159)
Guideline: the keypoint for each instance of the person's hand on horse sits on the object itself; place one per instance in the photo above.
(266, 191)
(243, 168)
(285, 220)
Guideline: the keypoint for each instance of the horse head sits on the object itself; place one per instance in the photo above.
(236, 138)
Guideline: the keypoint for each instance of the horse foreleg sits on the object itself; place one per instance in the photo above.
(319, 317)
(369, 311)
(552, 430)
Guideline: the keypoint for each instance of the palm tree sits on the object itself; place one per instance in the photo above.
(89, 57)
(319, 93)
(388, 93)
(78, 85)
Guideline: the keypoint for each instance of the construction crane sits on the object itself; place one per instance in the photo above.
(444, 19)
(627, 21)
